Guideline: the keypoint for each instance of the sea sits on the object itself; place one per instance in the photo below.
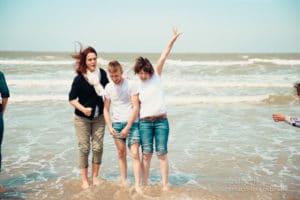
(223, 143)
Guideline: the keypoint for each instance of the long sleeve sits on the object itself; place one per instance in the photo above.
(294, 121)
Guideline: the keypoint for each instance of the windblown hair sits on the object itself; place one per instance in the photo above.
(113, 66)
(80, 58)
(143, 64)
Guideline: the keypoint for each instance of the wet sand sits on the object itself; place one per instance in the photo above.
(108, 190)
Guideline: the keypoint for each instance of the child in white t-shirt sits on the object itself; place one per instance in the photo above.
(154, 124)
(121, 108)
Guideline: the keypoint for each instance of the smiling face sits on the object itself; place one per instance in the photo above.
(91, 61)
(144, 76)
(116, 76)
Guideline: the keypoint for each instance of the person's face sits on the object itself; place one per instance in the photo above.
(116, 76)
(144, 76)
(91, 61)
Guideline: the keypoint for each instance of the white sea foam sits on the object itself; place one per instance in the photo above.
(170, 84)
(215, 99)
(37, 62)
(222, 84)
(34, 98)
(31, 62)
(173, 100)
(38, 82)
(276, 61)
(232, 62)
(246, 61)
(207, 63)
(267, 171)
(170, 99)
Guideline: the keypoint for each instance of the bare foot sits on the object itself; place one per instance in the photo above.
(125, 183)
(165, 188)
(96, 181)
(85, 185)
(138, 189)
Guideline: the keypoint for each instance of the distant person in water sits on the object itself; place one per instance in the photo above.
(294, 121)
(86, 95)
(121, 108)
(4, 99)
(154, 124)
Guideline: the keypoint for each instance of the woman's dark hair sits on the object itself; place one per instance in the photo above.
(143, 64)
(80, 58)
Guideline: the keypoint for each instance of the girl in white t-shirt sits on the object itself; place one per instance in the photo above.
(154, 125)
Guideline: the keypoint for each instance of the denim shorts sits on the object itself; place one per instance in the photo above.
(133, 135)
(156, 131)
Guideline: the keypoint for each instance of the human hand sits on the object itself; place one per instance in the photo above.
(175, 33)
(87, 111)
(113, 131)
(124, 133)
(278, 117)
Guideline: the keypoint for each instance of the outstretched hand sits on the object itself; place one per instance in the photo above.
(277, 117)
(175, 33)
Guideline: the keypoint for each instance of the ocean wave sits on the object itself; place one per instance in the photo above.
(276, 61)
(249, 61)
(260, 99)
(39, 82)
(207, 63)
(36, 98)
(37, 62)
(222, 84)
(169, 84)
(101, 61)
(177, 100)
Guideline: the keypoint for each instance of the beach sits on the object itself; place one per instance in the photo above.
(223, 142)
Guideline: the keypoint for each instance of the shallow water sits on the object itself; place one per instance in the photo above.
(223, 143)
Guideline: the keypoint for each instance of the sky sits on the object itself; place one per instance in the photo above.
(208, 26)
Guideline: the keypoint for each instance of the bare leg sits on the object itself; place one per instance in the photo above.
(121, 147)
(134, 151)
(84, 178)
(146, 167)
(95, 172)
(164, 170)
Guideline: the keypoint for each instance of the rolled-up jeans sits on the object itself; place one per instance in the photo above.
(89, 132)
(154, 131)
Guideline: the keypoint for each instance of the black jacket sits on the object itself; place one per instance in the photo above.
(86, 94)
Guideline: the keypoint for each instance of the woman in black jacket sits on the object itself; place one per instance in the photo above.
(86, 96)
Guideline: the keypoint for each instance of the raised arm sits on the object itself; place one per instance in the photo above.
(166, 52)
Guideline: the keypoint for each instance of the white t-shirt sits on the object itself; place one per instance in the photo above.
(151, 97)
(120, 99)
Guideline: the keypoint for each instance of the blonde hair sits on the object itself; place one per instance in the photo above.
(114, 66)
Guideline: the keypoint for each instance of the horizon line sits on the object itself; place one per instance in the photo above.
(148, 52)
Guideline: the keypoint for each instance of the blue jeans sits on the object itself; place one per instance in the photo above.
(1, 136)
(133, 135)
(157, 131)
